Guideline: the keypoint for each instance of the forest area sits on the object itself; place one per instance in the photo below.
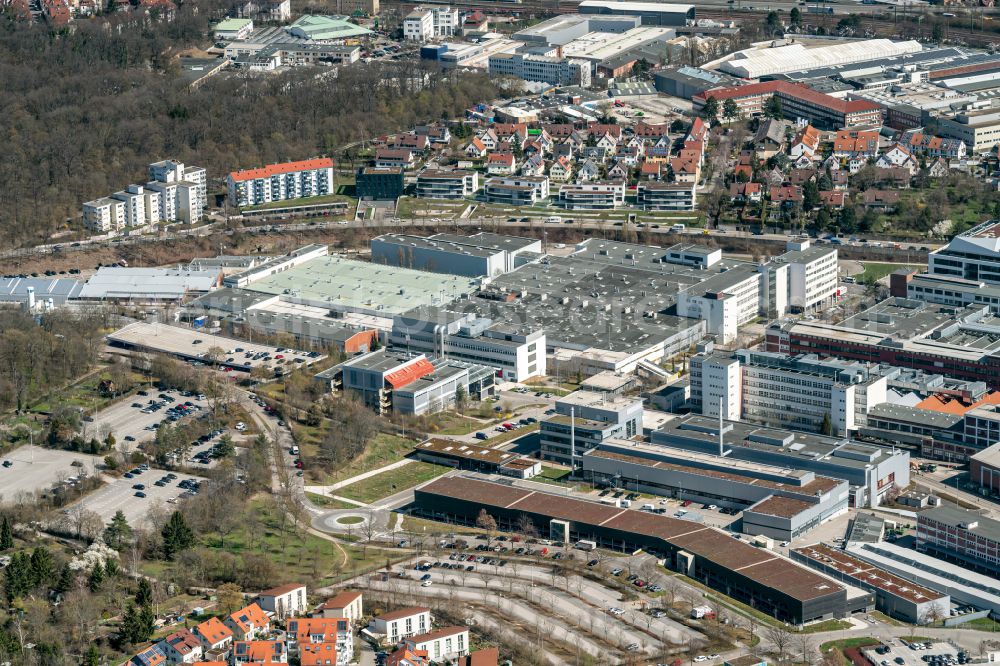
(88, 107)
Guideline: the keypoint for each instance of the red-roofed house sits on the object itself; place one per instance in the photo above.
(348, 603)
(806, 143)
(834, 199)
(500, 164)
(745, 192)
(685, 170)
(561, 170)
(305, 633)
(284, 601)
(647, 131)
(855, 144)
(404, 656)
(182, 647)
(259, 652)
(649, 170)
(215, 637)
(151, 656)
(402, 623)
(248, 623)
(394, 157)
(322, 654)
(476, 148)
(786, 194)
(698, 131)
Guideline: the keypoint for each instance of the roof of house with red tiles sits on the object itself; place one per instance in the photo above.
(318, 654)
(341, 599)
(279, 169)
(500, 158)
(183, 641)
(409, 611)
(250, 617)
(213, 631)
(855, 142)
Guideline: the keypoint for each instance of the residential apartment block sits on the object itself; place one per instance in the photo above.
(403, 623)
(655, 195)
(447, 184)
(597, 195)
(174, 193)
(442, 645)
(281, 182)
(517, 191)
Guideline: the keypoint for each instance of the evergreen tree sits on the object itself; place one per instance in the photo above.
(96, 578)
(774, 108)
(710, 110)
(92, 657)
(129, 625)
(19, 576)
(42, 566)
(225, 447)
(111, 568)
(65, 581)
(118, 532)
(146, 623)
(810, 195)
(144, 595)
(177, 536)
(6, 534)
(795, 16)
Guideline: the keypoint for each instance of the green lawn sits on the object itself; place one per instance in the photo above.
(382, 450)
(981, 624)
(448, 423)
(307, 201)
(296, 554)
(388, 483)
(329, 502)
(877, 271)
(846, 644)
(553, 474)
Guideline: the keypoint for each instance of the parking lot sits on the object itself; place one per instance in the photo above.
(32, 468)
(121, 494)
(901, 652)
(131, 420)
(192, 345)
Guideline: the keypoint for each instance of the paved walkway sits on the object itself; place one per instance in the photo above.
(326, 490)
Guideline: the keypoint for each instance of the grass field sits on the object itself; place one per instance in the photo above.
(448, 423)
(296, 554)
(388, 483)
(382, 450)
(329, 502)
(847, 644)
(877, 271)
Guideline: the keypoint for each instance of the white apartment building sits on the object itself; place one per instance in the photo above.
(284, 601)
(134, 199)
(175, 192)
(281, 182)
(424, 24)
(592, 196)
(517, 190)
(104, 215)
(443, 645)
(779, 390)
(403, 623)
(447, 184)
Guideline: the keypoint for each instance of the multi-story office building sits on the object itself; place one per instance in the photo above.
(517, 191)
(726, 301)
(655, 195)
(947, 290)
(379, 183)
(546, 69)
(812, 276)
(978, 129)
(871, 471)
(960, 535)
(780, 390)
(973, 255)
(447, 184)
(514, 354)
(583, 420)
(592, 196)
(984, 468)
(281, 182)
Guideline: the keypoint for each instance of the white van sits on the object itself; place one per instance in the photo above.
(294, 450)
(626, 503)
(678, 227)
(554, 219)
(648, 507)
